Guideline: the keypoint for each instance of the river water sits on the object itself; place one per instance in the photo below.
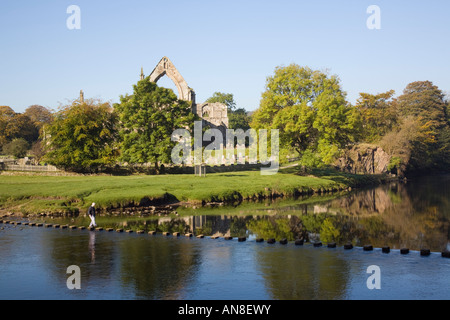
(113, 265)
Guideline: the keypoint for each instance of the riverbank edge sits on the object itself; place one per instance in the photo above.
(165, 203)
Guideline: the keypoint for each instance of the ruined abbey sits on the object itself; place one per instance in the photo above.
(214, 115)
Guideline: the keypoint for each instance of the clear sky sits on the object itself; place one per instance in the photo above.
(228, 46)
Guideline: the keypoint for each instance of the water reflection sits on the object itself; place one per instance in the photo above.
(414, 215)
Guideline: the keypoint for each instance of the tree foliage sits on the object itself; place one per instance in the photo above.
(225, 98)
(309, 108)
(82, 136)
(148, 118)
(17, 148)
(378, 115)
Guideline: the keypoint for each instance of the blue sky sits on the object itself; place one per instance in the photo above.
(228, 46)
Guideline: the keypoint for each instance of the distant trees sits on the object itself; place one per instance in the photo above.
(26, 126)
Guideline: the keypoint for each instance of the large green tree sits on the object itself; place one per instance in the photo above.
(310, 110)
(148, 118)
(82, 136)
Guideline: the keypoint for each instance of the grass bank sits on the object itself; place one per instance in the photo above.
(72, 194)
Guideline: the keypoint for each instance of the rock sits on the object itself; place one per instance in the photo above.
(317, 244)
(283, 241)
(331, 245)
(386, 249)
(299, 242)
(368, 248)
(364, 159)
(404, 250)
(348, 246)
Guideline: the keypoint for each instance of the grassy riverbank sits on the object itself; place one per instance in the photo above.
(64, 194)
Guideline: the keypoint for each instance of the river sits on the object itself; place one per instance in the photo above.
(129, 265)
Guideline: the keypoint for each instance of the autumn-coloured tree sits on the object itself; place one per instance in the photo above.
(82, 136)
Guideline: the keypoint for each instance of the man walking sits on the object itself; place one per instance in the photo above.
(91, 213)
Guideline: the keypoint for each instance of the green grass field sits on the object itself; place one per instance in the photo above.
(51, 194)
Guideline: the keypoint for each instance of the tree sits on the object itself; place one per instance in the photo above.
(225, 98)
(309, 109)
(148, 118)
(16, 125)
(426, 104)
(17, 148)
(39, 115)
(6, 114)
(82, 137)
(378, 114)
(239, 119)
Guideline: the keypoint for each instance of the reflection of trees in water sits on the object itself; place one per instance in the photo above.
(158, 269)
(81, 249)
(303, 274)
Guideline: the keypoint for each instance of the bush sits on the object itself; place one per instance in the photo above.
(17, 148)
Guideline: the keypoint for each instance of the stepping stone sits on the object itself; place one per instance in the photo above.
(129, 231)
(99, 229)
(404, 251)
(56, 226)
(109, 229)
(152, 232)
(119, 230)
(348, 246)
(386, 249)
(260, 240)
(317, 244)
(331, 245)
(242, 239)
(283, 241)
(299, 242)
(228, 238)
(200, 236)
(176, 234)
(81, 227)
(368, 248)
(271, 241)
(214, 237)
(188, 235)
(72, 227)
(425, 252)
(140, 231)
(166, 233)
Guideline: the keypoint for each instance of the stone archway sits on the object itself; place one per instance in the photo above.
(166, 67)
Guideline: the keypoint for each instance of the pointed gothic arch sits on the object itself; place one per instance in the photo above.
(166, 67)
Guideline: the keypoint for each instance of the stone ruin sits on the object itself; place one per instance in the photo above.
(214, 115)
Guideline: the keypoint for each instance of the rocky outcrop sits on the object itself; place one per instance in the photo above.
(364, 159)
